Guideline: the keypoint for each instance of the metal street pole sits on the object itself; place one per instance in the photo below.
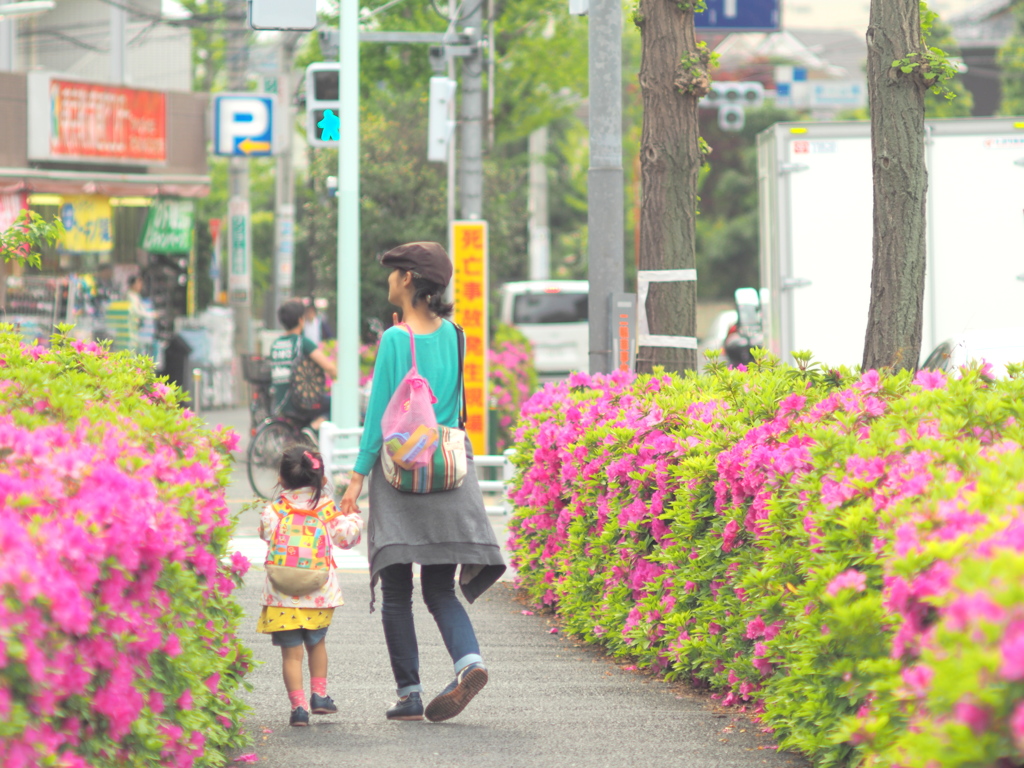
(345, 392)
(605, 215)
(238, 167)
(451, 169)
(540, 233)
(282, 279)
(471, 172)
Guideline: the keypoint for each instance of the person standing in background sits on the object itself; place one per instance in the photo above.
(139, 313)
(317, 329)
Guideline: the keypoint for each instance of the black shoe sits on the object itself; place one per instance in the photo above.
(460, 691)
(408, 707)
(299, 717)
(322, 705)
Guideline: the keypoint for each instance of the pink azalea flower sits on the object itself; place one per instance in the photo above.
(974, 717)
(755, 628)
(849, 579)
(918, 678)
(930, 379)
(239, 563)
(869, 383)
(1017, 725)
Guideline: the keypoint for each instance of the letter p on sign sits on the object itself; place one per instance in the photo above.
(243, 125)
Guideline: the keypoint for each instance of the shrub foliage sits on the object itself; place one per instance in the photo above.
(117, 620)
(840, 554)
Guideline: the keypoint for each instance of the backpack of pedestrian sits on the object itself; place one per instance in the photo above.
(298, 370)
(445, 531)
(301, 591)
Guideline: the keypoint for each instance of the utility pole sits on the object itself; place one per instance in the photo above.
(605, 215)
(238, 167)
(284, 190)
(471, 172)
(540, 233)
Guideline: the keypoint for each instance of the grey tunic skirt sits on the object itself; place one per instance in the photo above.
(433, 529)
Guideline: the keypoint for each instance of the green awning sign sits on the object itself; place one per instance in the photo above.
(169, 227)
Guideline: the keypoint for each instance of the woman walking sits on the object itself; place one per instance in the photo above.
(442, 531)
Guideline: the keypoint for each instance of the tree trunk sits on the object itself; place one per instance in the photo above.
(896, 98)
(673, 78)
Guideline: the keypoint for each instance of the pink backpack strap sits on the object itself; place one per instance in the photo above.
(412, 344)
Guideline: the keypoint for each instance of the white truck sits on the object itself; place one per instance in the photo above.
(552, 314)
(815, 194)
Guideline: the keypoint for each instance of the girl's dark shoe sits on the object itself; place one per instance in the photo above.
(322, 705)
(408, 707)
(299, 717)
(460, 691)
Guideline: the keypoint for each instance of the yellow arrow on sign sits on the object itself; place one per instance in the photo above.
(248, 146)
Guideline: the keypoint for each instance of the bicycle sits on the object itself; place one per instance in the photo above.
(256, 372)
(271, 432)
(272, 438)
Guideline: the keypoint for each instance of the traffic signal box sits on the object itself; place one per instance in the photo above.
(323, 119)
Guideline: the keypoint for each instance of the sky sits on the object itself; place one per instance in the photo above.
(814, 14)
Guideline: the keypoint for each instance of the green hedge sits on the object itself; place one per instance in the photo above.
(841, 555)
(117, 615)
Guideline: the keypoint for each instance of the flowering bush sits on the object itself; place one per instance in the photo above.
(840, 554)
(117, 621)
(513, 378)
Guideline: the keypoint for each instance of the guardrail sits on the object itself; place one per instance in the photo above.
(340, 447)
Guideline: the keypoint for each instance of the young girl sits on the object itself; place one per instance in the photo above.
(294, 622)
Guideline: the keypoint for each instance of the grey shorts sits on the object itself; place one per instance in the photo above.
(289, 638)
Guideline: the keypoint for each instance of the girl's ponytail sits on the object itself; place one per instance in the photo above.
(303, 467)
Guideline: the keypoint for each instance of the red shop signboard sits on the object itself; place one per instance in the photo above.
(89, 121)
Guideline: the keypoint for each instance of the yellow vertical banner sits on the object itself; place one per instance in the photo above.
(469, 255)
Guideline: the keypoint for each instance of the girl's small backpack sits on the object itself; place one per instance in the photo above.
(299, 556)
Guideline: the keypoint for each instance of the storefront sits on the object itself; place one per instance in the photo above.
(121, 168)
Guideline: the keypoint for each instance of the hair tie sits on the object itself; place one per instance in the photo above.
(313, 460)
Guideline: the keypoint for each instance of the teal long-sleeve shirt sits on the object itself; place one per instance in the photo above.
(437, 359)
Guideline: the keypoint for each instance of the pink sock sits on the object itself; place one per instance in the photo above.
(318, 685)
(297, 698)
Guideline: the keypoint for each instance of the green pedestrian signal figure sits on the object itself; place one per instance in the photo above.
(329, 126)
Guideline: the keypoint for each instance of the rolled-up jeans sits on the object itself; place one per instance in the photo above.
(438, 585)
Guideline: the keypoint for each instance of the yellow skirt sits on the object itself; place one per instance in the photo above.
(280, 619)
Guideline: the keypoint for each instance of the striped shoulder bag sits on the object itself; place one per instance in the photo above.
(447, 470)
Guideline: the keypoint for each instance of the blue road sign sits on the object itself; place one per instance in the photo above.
(243, 124)
(739, 16)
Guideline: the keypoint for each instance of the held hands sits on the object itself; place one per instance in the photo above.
(349, 502)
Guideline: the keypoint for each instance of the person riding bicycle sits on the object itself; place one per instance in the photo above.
(283, 354)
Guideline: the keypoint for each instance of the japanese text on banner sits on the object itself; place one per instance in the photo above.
(469, 255)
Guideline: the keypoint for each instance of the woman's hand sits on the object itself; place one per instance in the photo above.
(349, 502)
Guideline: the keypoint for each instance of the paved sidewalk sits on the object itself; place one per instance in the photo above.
(550, 702)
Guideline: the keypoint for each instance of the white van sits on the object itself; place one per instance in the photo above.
(552, 314)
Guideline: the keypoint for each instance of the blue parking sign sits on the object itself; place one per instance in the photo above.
(739, 16)
(243, 124)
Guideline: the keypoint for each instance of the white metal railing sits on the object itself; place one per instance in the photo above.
(340, 447)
